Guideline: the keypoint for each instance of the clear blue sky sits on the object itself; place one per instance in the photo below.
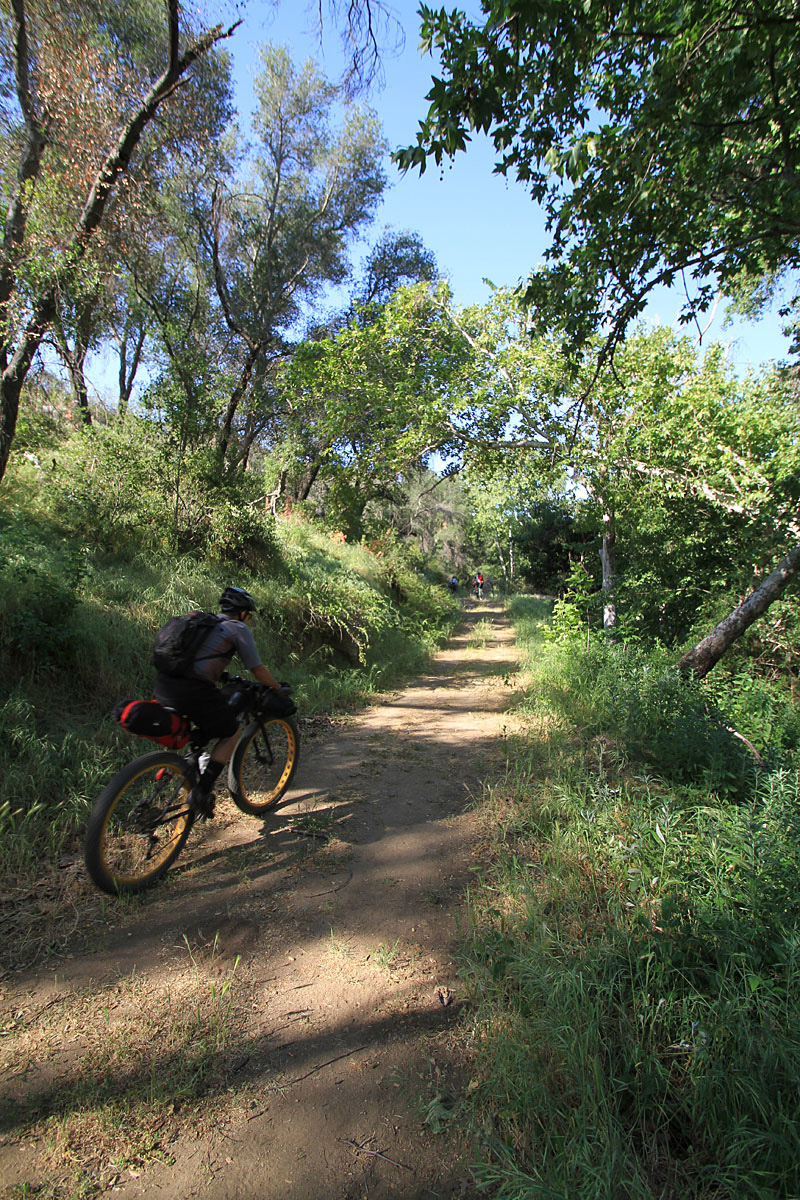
(478, 225)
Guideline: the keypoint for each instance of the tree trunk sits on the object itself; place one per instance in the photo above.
(608, 560)
(15, 371)
(271, 501)
(502, 560)
(74, 360)
(308, 479)
(226, 428)
(10, 388)
(707, 653)
(127, 372)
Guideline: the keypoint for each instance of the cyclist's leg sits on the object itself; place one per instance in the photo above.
(207, 708)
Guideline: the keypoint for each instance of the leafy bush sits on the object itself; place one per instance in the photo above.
(238, 534)
(578, 609)
(108, 489)
(640, 700)
(762, 710)
(38, 594)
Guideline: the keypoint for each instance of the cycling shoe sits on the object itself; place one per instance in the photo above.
(202, 803)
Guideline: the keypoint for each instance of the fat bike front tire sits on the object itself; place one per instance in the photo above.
(139, 824)
(263, 764)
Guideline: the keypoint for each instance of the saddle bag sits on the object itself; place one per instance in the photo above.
(149, 719)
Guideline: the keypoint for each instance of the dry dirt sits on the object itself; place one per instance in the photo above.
(301, 968)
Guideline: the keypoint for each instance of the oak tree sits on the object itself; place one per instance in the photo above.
(76, 103)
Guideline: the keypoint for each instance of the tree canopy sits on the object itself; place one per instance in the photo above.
(662, 138)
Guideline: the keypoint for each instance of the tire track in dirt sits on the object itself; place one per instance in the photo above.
(333, 923)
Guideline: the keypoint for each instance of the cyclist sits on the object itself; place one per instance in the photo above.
(452, 583)
(477, 586)
(196, 695)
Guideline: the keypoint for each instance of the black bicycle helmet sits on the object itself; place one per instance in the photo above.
(235, 599)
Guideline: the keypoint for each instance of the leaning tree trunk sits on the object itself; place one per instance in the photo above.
(706, 654)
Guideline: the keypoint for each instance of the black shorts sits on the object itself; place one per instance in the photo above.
(200, 701)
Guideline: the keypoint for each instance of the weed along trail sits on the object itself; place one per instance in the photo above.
(277, 1018)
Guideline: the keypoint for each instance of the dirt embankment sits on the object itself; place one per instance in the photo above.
(278, 1018)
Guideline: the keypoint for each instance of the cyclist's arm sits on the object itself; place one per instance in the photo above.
(263, 676)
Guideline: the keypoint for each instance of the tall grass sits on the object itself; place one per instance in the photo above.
(633, 954)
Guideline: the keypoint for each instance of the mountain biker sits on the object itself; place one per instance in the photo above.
(196, 696)
(452, 583)
(477, 586)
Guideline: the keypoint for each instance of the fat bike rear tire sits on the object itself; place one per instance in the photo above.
(139, 824)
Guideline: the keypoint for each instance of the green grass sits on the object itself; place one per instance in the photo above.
(633, 957)
(480, 634)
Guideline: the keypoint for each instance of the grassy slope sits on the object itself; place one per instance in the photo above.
(76, 629)
(633, 955)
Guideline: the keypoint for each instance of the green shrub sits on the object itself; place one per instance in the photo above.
(640, 699)
(39, 585)
(239, 535)
(108, 489)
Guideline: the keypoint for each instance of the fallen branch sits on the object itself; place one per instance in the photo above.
(337, 887)
(749, 745)
(314, 1070)
(363, 1149)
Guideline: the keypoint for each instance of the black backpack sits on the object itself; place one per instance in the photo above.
(177, 643)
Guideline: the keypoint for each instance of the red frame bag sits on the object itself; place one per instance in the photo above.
(149, 719)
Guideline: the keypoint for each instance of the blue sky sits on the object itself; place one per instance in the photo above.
(478, 225)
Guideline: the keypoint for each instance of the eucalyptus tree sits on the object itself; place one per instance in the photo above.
(76, 101)
(275, 237)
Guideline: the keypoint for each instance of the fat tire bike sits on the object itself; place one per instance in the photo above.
(142, 818)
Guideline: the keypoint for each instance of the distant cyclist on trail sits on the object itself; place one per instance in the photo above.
(477, 586)
(194, 693)
(452, 583)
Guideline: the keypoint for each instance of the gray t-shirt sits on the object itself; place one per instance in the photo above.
(226, 639)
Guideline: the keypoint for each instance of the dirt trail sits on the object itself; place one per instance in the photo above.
(321, 943)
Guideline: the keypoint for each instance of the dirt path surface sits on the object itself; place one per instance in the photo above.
(277, 1018)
